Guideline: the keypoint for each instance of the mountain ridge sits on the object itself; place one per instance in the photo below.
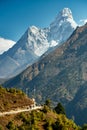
(60, 74)
(35, 42)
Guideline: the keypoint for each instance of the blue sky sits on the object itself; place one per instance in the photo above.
(17, 15)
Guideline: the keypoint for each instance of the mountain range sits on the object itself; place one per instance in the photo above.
(60, 76)
(54, 60)
(35, 42)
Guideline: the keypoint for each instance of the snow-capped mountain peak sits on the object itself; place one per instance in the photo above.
(35, 42)
(63, 26)
(34, 29)
(66, 12)
(64, 16)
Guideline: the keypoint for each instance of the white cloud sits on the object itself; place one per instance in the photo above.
(82, 22)
(5, 44)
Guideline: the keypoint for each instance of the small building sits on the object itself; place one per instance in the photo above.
(34, 102)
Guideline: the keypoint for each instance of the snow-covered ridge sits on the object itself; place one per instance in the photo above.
(66, 12)
(5, 44)
(40, 40)
(63, 26)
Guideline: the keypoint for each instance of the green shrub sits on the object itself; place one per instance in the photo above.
(84, 127)
(48, 103)
(11, 125)
(45, 109)
(1, 127)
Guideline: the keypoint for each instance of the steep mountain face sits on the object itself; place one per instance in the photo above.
(60, 75)
(77, 108)
(62, 27)
(35, 42)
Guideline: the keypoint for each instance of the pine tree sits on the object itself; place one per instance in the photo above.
(59, 109)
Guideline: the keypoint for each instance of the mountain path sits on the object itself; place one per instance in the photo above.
(20, 110)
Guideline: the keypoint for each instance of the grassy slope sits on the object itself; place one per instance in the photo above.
(12, 98)
(38, 120)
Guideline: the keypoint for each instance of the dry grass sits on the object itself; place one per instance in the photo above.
(11, 100)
